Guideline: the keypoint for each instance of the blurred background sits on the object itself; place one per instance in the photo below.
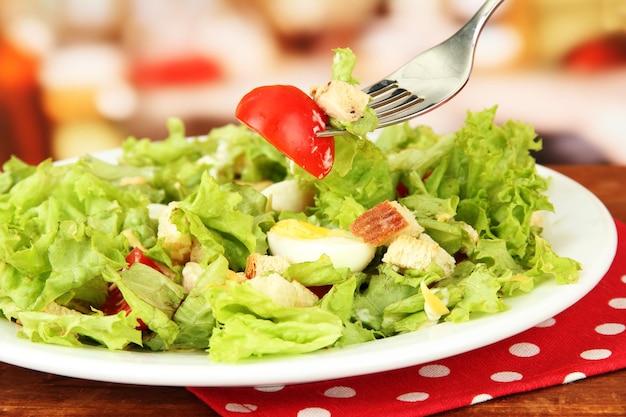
(80, 76)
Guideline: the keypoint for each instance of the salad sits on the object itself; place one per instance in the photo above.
(226, 245)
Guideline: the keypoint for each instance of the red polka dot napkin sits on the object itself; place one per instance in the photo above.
(586, 339)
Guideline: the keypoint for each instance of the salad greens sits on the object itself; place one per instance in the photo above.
(65, 231)
(193, 206)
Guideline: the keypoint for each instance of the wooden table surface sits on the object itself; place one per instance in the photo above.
(30, 393)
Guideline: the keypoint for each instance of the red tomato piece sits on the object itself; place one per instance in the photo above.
(289, 119)
(115, 303)
(401, 190)
(137, 255)
(115, 300)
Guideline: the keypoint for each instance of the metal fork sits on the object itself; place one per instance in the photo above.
(430, 79)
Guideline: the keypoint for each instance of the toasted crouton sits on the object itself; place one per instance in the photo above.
(379, 225)
(282, 292)
(257, 265)
(409, 252)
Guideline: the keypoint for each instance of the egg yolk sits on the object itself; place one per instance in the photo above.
(302, 230)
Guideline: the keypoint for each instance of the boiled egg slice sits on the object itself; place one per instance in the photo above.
(299, 241)
(287, 195)
(434, 307)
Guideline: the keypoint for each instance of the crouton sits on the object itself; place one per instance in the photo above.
(341, 101)
(257, 265)
(379, 225)
(282, 292)
(409, 252)
(191, 272)
(177, 244)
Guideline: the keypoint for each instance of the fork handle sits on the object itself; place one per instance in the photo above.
(475, 25)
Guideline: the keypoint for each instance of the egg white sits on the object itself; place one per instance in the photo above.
(287, 195)
(345, 251)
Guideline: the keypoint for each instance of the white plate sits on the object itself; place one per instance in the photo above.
(582, 228)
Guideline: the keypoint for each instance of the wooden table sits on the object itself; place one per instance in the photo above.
(30, 393)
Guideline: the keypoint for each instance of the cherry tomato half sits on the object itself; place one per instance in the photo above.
(115, 301)
(289, 119)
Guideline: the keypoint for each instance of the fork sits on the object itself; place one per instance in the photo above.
(430, 79)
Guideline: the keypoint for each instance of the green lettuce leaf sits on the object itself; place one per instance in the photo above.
(477, 292)
(544, 263)
(194, 316)
(220, 211)
(359, 180)
(249, 324)
(339, 300)
(344, 62)
(63, 227)
(316, 273)
(381, 291)
(75, 330)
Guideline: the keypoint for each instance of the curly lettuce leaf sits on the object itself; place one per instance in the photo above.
(478, 292)
(75, 330)
(250, 324)
(228, 153)
(360, 179)
(235, 218)
(63, 226)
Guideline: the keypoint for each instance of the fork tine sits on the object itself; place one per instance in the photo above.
(403, 112)
(389, 99)
(380, 87)
(399, 106)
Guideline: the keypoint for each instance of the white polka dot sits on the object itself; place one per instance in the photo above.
(574, 376)
(596, 354)
(524, 350)
(340, 392)
(313, 412)
(506, 376)
(624, 279)
(481, 398)
(547, 323)
(618, 303)
(610, 329)
(240, 408)
(412, 397)
(270, 388)
(434, 371)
